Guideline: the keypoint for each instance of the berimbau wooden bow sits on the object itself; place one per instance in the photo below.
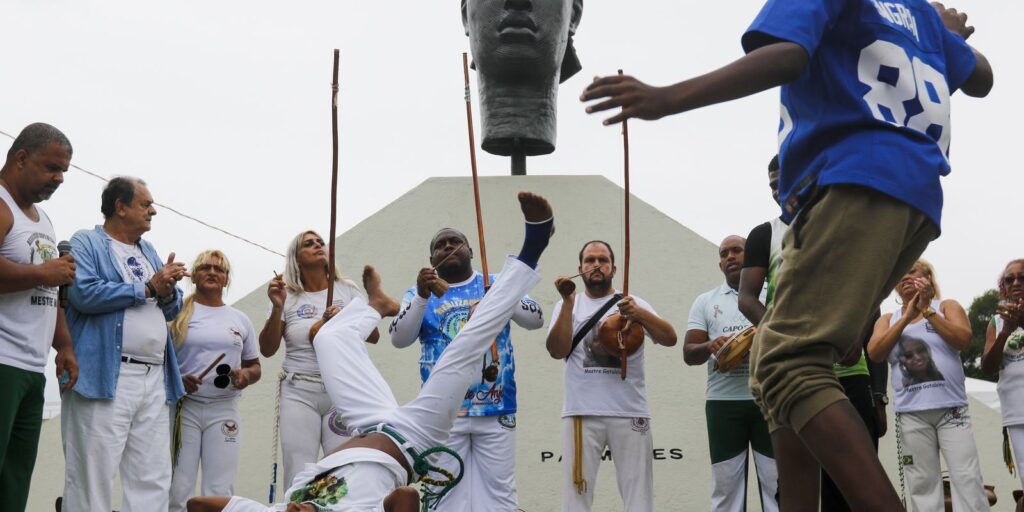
(625, 259)
(334, 182)
(479, 215)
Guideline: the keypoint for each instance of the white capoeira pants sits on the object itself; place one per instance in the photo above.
(1016, 433)
(729, 483)
(308, 424)
(363, 397)
(487, 445)
(631, 445)
(129, 432)
(211, 434)
(925, 434)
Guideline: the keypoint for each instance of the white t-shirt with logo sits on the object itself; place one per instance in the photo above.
(144, 334)
(926, 371)
(717, 313)
(1011, 377)
(593, 385)
(301, 311)
(213, 331)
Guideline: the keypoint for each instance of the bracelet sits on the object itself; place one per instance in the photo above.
(152, 290)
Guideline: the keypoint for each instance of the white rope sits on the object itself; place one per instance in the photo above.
(281, 377)
(899, 457)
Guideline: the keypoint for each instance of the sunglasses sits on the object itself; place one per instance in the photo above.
(207, 267)
(1009, 279)
(311, 241)
(223, 379)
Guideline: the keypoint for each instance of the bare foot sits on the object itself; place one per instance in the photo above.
(376, 297)
(535, 208)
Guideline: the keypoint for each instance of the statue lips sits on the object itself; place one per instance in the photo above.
(517, 27)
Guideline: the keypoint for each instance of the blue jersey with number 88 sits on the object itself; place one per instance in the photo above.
(872, 106)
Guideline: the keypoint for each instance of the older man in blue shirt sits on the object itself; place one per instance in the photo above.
(117, 413)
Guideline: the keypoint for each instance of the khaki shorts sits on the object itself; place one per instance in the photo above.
(844, 254)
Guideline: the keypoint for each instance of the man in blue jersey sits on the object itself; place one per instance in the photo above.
(864, 138)
(484, 432)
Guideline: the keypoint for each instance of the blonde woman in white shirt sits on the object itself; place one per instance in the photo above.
(307, 424)
(922, 342)
(207, 426)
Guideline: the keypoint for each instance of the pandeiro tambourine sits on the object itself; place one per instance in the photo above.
(735, 351)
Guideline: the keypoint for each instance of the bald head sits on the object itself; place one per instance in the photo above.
(730, 259)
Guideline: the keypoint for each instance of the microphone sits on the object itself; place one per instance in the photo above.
(63, 249)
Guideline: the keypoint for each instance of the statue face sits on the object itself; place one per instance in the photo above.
(519, 40)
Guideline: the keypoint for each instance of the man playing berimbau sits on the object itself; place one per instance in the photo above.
(484, 434)
(601, 410)
(371, 471)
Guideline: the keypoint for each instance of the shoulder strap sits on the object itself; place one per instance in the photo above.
(591, 322)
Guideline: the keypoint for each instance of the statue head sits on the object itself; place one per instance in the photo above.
(522, 50)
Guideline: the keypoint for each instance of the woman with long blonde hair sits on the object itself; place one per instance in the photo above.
(210, 335)
(922, 342)
(307, 422)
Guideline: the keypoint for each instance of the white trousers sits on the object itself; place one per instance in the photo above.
(487, 445)
(925, 434)
(363, 397)
(308, 424)
(129, 433)
(631, 444)
(729, 483)
(211, 434)
(1016, 433)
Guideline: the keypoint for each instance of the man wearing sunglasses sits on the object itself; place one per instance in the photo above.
(372, 470)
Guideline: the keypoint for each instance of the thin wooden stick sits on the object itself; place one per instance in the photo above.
(625, 158)
(214, 363)
(585, 272)
(625, 261)
(472, 162)
(463, 244)
(334, 181)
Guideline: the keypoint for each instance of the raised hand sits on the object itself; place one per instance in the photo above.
(636, 98)
(276, 291)
(565, 286)
(955, 21)
(424, 280)
(169, 275)
(1012, 313)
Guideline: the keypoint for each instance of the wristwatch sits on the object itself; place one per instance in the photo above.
(928, 313)
(880, 398)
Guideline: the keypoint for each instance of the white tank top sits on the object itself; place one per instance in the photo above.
(926, 371)
(28, 317)
(1011, 377)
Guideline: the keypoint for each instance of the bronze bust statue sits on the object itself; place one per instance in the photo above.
(522, 50)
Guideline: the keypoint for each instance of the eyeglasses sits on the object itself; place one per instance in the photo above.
(311, 241)
(223, 378)
(1009, 279)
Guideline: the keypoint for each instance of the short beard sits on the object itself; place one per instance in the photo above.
(599, 289)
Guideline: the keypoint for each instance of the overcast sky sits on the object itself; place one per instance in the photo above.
(224, 109)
